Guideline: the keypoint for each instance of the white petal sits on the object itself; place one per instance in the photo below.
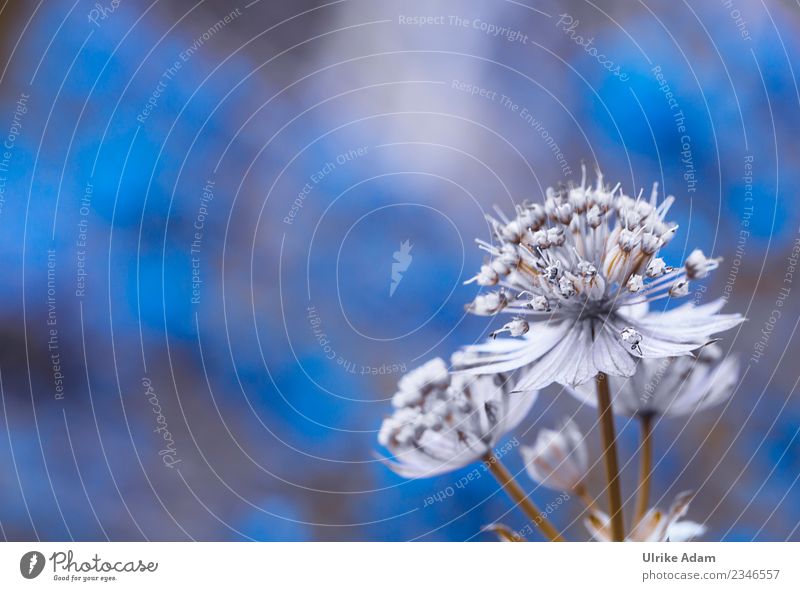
(580, 452)
(723, 381)
(528, 455)
(609, 354)
(556, 365)
(624, 397)
(584, 393)
(685, 531)
(649, 528)
(688, 323)
(704, 388)
(519, 405)
(515, 353)
(638, 310)
(583, 368)
(660, 342)
(599, 526)
(678, 509)
(416, 467)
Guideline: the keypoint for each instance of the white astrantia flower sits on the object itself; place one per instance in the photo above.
(673, 386)
(442, 422)
(655, 526)
(578, 275)
(558, 459)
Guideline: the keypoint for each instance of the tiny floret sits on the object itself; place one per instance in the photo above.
(632, 337)
(698, 265)
(635, 284)
(515, 328)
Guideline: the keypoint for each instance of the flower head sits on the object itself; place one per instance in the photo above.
(579, 274)
(442, 421)
(655, 526)
(558, 459)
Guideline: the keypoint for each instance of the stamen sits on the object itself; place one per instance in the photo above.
(635, 284)
(679, 289)
(698, 265)
(657, 268)
(632, 337)
(516, 328)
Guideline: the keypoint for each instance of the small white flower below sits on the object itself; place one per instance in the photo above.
(655, 526)
(558, 459)
(443, 422)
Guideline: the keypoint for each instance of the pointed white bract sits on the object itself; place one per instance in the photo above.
(579, 274)
(443, 422)
(558, 459)
(673, 386)
(655, 526)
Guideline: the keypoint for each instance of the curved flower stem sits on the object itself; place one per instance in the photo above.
(504, 533)
(513, 490)
(608, 437)
(645, 466)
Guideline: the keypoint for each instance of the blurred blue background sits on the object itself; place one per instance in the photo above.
(200, 205)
